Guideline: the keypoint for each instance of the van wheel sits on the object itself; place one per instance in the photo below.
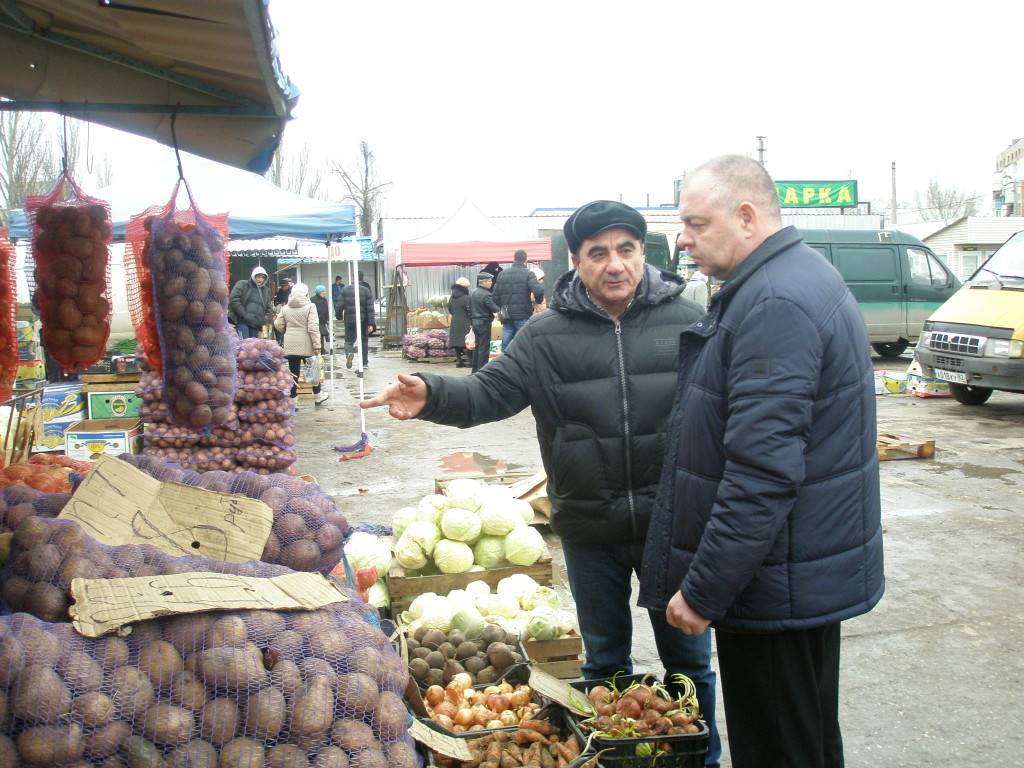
(891, 349)
(970, 395)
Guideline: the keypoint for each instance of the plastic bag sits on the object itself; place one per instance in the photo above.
(8, 323)
(311, 369)
(71, 247)
(470, 340)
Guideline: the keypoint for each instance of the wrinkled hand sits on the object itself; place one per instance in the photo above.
(680, 614)
(405, 399)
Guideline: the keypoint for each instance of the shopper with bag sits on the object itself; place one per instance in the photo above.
(299, 326)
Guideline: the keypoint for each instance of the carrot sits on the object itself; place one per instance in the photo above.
(573, 748)
(542, 727)
(547, 760)
(515, 750)
(532, 753)
(493, 753)
(508, 761)
(526, 736)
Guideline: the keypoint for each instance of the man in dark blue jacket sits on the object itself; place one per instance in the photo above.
(517, 288)
(597, 369)
(768, 523)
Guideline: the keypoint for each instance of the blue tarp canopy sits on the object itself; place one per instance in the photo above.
(256, 207)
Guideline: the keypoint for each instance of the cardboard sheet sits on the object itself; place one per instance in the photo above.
(560, 692)
(103, 606)
(446, 745)
(119, 504)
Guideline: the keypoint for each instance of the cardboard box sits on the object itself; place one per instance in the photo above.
(83, 439)
(496, 330)
(415, 320)
(52, 436)
(31, 370)
(124, 364)
(63, 403)
(114, 405)
(925, 386)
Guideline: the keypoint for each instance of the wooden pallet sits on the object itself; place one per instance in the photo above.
(892, 446)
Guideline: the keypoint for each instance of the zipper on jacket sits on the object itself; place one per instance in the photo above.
(625, 426)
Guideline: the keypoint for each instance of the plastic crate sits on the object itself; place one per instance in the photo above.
(688, 749)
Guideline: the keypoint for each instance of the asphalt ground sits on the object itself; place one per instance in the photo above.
(933, 676)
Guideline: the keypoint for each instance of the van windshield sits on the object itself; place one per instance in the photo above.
(1006, 265)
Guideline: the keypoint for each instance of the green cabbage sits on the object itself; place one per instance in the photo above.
(416, 544)
(460, 524)
(543, 623)
(431, 508)
(453, 556)
(477, 588)
(525, 510)
(499, 517)
(498, 605)
(415, 610)
(379, 595)
(364, 550)
(401, 519)
(437, 615)
(541, 596)
(464, 494)
(489, 551)
(524, 545)
(517, 585)
(468, 619)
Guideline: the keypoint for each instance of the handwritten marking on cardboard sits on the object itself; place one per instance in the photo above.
(119, 504)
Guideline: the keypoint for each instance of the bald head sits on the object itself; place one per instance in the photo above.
(731, 180)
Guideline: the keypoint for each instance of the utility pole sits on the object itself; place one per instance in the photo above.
(893, 202)
(760, 149)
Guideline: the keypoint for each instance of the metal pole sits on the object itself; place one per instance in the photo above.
(330, 324)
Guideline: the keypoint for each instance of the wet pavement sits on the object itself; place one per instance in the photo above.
(933, 676)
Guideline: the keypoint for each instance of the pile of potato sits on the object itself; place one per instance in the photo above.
(70, 246)
(18, 502)
(248, 689)
(190, 290)
(259, 434)
(308, 529)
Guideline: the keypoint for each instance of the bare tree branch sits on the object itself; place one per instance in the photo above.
(365, 190)
(945, 203)
(28, 164)
(293, 173)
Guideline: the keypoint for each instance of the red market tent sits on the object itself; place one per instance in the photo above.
(469, 237)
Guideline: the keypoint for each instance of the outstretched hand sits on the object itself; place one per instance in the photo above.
(404, 399)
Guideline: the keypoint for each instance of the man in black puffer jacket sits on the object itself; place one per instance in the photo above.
(517, 288)
(598, 370)
(768, 523)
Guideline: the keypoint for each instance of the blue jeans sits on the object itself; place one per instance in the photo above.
(599, 578)
(246, 331)
(509, 331)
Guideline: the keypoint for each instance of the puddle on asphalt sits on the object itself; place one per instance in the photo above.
(463, 462)
(987, 473)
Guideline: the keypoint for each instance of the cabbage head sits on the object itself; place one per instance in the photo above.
(437, 615)
(517, 585)
(431, 508)
(379, 595)
(464, 493)
(543, 623)
(477, 588)
(506, 606)
(364, 550)
(469, 620)
(541, 596)
(524, 545)
(401, 519)
(415, 545)
(489, 551)
(415, 610)
(524, 509)
(453, 556)
(460, 524)
(499, 517)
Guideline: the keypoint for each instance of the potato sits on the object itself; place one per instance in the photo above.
(330, 757)
(242, 753)
(356, 694)
(161, 662)
(188, 691)
(301, 555)
(167, 725)
(331, 644)
(401, 754)
(187, 632)
(49, 745)
(371, 757)
(110, 652)
(8, 753)
(218, 722)
(12, 659)
(266, 713)
(93, 710)
(39, 695)
(105, 741)
(130, 690)
(352, 735)
(196, 754)
(389, 717)
(313, 709)
(227, 631)
(287, 677)
(142, 753)
(286, 756)
(232, 668)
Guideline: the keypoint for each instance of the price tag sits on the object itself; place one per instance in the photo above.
(449, 746)
(119, 504)
(103, 606)
(560, 692)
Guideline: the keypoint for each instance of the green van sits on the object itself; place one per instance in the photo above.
(897, 280)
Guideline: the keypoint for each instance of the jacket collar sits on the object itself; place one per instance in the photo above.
(570, 295)
(773, 245)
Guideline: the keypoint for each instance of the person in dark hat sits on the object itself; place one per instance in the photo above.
(481, 314)
(598, 369)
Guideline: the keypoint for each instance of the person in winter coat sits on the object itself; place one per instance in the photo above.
(336, 296)
(481, 313)
(598, 370)
(458, 308)
(356, 334)
(768, 518)
(323, 311)
(696, 289)
(249, 307)
(516, 288)
(299, 325)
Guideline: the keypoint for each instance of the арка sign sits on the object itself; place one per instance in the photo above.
(817, 194)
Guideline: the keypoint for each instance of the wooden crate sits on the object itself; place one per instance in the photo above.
(111, 378)
(404, 589)
(559, 658)
(892, 446)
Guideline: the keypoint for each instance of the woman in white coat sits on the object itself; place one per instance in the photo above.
(299, 325)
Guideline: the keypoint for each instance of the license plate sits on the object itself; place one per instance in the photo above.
(957, 377)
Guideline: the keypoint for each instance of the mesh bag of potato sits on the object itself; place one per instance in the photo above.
(308, 531)
(8, 312)
(71, 238)
(187, 264)
(245, 689)
(18, 502)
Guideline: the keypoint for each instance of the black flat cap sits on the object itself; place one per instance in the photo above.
(598, 216)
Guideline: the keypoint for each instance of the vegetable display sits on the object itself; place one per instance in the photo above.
(460, 708)
(537, 741)
(71, 247)
(481, 656)
(44, 472)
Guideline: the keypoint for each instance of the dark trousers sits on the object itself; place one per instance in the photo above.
(482, 353)
(781, 692)
(600, 579)
(350, 342)
(295, 366)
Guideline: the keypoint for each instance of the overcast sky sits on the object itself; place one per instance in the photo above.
(528, 104)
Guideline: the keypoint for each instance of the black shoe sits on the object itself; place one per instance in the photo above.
(348, 361)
